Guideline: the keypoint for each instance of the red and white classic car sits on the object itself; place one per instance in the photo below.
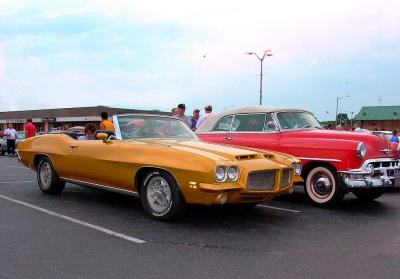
(334, 162)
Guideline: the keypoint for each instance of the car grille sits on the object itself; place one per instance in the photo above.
(387, 168)
(261, 180)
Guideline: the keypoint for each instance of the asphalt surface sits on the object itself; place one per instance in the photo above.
(289, 239)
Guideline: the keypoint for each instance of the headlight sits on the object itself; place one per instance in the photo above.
(297, 168)
(220, 174)
(361, 149)
(286, 178)
(233, 173)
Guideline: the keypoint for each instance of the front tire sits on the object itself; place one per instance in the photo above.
(322, 186)
(160, 196)
(368, 195)
(47, 178)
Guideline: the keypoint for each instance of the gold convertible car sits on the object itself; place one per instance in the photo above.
(159, 159)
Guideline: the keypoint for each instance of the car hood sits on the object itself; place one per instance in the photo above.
(375, 143)
(214, 151)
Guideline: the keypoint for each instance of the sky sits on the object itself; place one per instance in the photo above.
(156, 54)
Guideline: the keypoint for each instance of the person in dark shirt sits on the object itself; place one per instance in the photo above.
(195, 118)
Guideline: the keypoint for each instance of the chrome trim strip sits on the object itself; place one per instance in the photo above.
(378, 160)
(99, 186)
(320, 159)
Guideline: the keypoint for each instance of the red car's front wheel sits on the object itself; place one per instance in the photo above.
(322, 185)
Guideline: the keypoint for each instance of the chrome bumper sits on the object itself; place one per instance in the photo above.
(373, 173)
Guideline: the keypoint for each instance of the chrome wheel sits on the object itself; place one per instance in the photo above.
(159, 195)
(321, 184)
(45, 175)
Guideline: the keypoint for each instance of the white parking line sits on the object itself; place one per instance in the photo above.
(98, 228)
(17, 167)
(279, 208)
(23, 181)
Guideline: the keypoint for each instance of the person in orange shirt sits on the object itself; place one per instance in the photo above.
(106, 124)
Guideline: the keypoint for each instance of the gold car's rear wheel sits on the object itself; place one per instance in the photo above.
(47, 178)
(161, 197)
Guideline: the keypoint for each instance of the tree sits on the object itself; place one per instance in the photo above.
(343, 118)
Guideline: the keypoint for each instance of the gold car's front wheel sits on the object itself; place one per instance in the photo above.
(160, 196)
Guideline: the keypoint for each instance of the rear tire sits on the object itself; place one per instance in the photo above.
(161, 197)
(47, 178)
(368, 195)
(322, 186)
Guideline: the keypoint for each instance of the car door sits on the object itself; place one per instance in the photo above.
(219, 132)
(94, 161)
(256, 130)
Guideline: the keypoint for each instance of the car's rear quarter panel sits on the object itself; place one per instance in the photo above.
(54, 146)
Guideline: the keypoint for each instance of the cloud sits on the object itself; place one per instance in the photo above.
(152, 53)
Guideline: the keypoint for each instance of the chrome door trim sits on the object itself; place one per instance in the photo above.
(116, 127)
(320, 159)
(100, 186)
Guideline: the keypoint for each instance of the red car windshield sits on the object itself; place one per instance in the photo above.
(297, 120)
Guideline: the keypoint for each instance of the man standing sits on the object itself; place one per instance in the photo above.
(11, 136)
(195, 118)
(357, 128)
(106, 124)
(181, 115)
(30, 129)
(208, 110)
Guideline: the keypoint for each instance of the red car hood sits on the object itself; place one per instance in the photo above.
(375, 143)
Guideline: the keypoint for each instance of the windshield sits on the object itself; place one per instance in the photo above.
(136, 126)
(297, 120)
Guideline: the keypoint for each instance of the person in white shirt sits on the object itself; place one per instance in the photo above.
(357, 128)
(11, 136)
(208, 110)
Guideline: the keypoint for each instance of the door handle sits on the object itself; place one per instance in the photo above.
(228, 138)
(73, 146)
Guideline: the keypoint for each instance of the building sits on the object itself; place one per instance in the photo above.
(49, 119)
(381, 118)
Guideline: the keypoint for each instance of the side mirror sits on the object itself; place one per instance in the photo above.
(102, 136)
(271, 125)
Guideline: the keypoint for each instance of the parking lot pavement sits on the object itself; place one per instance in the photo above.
(86, 233)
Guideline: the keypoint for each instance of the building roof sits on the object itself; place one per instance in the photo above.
(379, 113)
(71, 112)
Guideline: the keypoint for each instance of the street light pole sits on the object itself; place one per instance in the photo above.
(267, 53)
(337, 107)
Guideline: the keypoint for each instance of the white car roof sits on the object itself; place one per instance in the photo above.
(210, 122)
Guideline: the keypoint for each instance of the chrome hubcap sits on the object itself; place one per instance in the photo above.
(321, 184)
(45, 175)
(159, 194)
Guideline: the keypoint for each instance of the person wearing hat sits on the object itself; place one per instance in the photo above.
(181, 115)
(195, 118)
(208, 110)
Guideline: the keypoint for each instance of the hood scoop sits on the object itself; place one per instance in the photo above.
(247, 157)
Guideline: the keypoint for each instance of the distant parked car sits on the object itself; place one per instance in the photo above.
(334, 162)
(387, 134)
